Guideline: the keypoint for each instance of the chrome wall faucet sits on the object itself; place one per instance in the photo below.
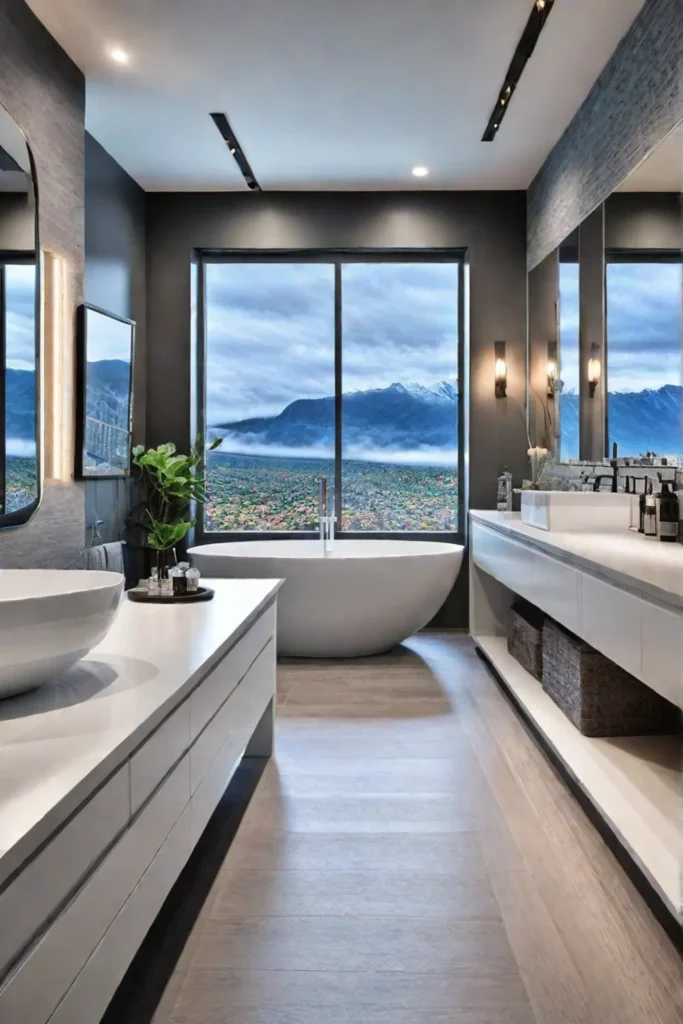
(326, 521)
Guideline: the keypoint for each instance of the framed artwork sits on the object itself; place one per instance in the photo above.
(106, 346)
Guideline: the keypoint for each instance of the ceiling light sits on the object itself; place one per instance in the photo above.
(420, 171)
(118, 55)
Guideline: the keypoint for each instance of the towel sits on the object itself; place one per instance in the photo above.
(95, 558)
(113, 557)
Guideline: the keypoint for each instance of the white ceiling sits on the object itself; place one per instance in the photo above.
(662, 171)
(331, 93)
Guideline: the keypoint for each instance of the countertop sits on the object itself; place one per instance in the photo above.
(59, 742)
(648, 567)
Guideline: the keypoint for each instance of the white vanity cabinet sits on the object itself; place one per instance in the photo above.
(123, 787)
(624, 596)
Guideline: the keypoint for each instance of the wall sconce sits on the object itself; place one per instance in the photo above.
(501, 370)
(594, 370)
(552, 371)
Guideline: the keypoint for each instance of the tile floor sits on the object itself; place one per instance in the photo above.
(409, 857)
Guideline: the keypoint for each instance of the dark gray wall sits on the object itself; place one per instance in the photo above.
(643, 220)
(44, 92)
(115, 280)
(490, 226)
(17, 222)
(634, 104)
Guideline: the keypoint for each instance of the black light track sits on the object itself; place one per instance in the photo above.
(525, 47)
(223, 125)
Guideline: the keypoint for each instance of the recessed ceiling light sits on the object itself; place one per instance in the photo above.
(118, 55)
(420, 171)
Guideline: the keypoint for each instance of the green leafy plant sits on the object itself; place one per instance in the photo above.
(172, 484)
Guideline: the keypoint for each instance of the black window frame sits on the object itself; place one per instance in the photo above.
(616, 255)
(337, 258)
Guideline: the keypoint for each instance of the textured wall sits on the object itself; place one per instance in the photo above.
(45, 93)
(634, 104)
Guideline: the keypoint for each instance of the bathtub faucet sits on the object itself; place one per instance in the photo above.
(326, 521)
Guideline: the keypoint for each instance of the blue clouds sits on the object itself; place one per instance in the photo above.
(270, 331)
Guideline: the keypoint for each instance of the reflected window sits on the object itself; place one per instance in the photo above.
(18, 284)
(644, 355)
(569, 359)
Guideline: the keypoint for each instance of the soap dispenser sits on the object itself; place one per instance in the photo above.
(668, 515)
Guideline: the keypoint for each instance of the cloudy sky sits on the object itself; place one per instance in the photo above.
(270, 331)
(643, 325)
(20, 301)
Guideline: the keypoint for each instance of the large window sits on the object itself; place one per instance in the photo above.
(644, 355)
(344, 368)
(569, 359)
(18, 302)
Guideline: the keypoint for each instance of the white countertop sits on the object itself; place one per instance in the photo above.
(649, 567)
(58, 743)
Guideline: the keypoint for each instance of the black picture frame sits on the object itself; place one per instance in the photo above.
(103, 443)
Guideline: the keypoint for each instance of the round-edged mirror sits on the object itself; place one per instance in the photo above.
(20, 470)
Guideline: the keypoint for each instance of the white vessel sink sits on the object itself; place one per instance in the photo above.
(576, 511)
(49, 619)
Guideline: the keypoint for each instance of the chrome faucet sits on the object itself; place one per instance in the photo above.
(326, 521)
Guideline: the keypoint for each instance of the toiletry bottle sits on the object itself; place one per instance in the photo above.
(641, 506)
(650, 517)
(668, 515)
(192, 576)
(504, 495)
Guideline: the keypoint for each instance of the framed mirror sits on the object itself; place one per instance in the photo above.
(606, 327)
(106, 347)
(20, 420)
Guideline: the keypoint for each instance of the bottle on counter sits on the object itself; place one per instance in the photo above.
(192, 576)
(668, 515)
(650, 516)
(504, 493)
(641, 505)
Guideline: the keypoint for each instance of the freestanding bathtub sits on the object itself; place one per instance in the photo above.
(363, 597)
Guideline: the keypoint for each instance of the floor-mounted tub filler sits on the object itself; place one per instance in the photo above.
(363, 597)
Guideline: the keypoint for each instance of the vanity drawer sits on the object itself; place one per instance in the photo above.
(91, 992)
(213, 764)
(56, 871)
(36, 988)
(508, 561)
(611, 621)
(155, 758)
(662, 667)
(219, 684)
(556, 590)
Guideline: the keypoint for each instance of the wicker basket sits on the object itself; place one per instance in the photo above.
(525, 637)
(600, 698)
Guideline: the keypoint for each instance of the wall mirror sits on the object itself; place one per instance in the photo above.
(20, 473)
(605, 325)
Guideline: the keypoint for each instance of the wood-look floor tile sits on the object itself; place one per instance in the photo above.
(305, 997)
(356, 944)
(336, 776)
(248, 893)
(458, 855)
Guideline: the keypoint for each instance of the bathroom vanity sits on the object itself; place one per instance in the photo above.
(624, 596)
(110, 774)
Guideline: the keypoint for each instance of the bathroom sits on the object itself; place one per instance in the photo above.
(322, 779)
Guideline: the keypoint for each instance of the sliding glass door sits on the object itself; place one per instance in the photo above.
(346, 368)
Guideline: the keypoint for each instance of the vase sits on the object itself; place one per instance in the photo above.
(166, 559)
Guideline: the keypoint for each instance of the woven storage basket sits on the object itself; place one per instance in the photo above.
(525, 637)
(600, 698)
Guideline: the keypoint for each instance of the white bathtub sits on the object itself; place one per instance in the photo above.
(366, 596)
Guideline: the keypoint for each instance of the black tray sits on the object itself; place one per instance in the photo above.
(144, 597)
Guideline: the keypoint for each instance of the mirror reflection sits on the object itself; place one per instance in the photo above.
(19, 328)
(614, 377)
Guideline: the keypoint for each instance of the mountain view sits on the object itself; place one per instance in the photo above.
(639, 421)
(405, 421)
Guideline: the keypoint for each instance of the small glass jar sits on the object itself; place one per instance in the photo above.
(153, 582)
(166, 587)
(192, 580)
(179, 581)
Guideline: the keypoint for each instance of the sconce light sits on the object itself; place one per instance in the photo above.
(554, 383)
(594, 370)
(501, 370)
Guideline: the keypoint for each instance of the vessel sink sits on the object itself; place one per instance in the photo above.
(576, 511)
(49, 619)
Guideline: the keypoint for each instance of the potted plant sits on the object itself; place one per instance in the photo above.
(172, 484)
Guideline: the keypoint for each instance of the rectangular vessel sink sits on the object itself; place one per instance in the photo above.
(576, 511)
